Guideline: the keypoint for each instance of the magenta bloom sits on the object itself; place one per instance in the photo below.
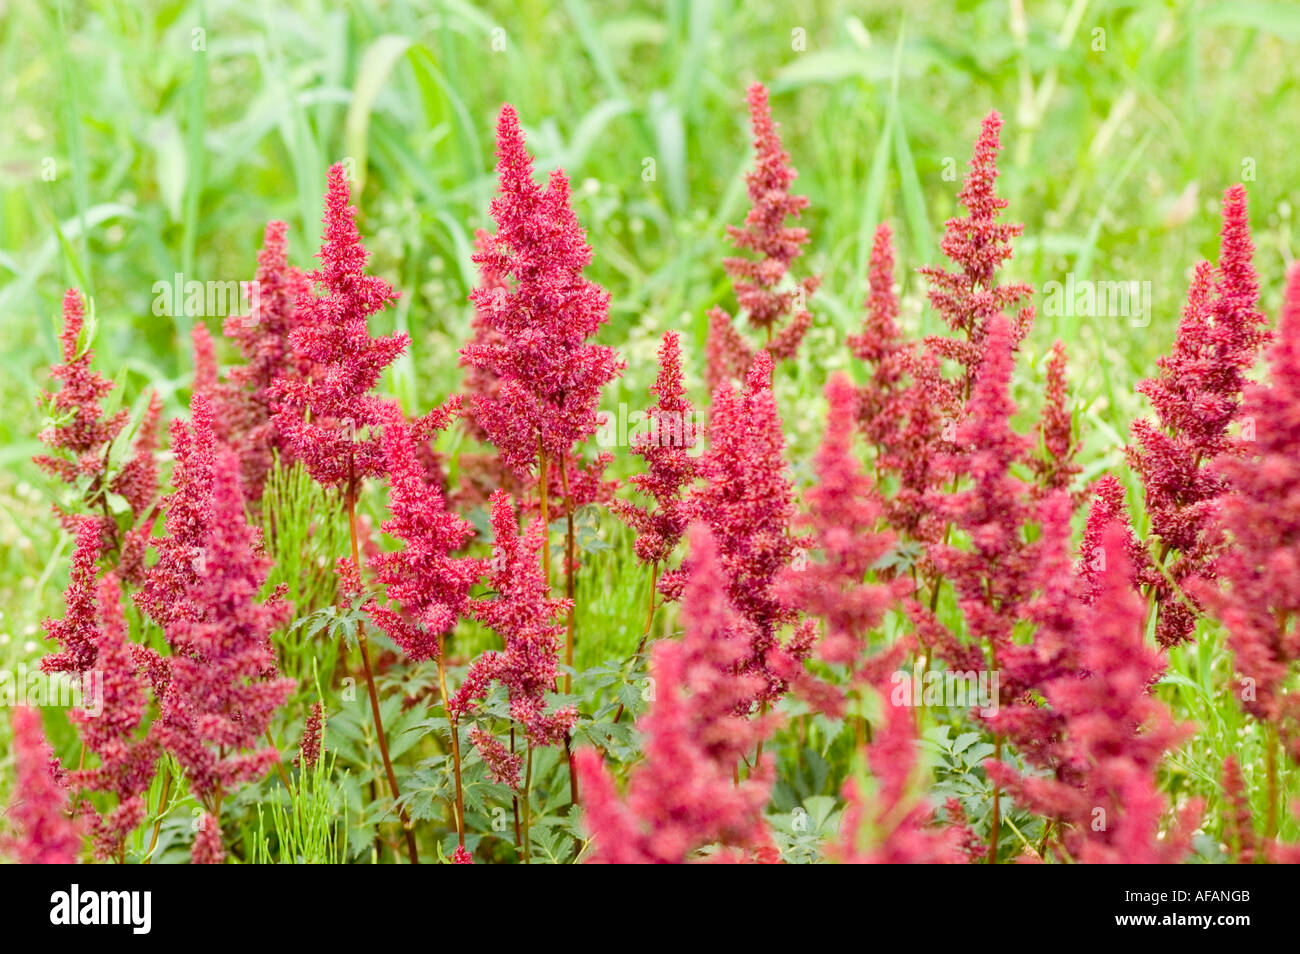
(224, 687)
(44, 834)
(79, 433)
(137, 481)
(529, 622)
(1056, 468)
(1113, 734)
(842, 515)
(263, 338)
(747, 501)
(892, 825)
(670, 468)
(970, 297)
(309, 748)
(537, 314)
(758, 282)
(166, 590)
(882, 347)
(1196, 396)
(323, 419)
(76, 633)
(429, 585)
(503, 766)
(1260, 572)
(996, 575)
(127, 763)
(683, 797)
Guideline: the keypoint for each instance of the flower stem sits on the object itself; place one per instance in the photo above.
(162, 813)
(363, 643)
(528, 807)
(995, 825)
(459, 808)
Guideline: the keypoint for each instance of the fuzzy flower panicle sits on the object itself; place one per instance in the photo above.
(1196, 395)
(224, 687)
(747, 501)
(79, 432)
(430, 586)
(127, 760)
(537, 312)
(762, 289)
(44, 834)
(683, 796)
(670, 467)
(529, 622)
(325, 418)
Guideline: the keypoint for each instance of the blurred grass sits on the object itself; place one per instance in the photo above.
(150, 138)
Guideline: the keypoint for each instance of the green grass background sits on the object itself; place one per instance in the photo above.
(142, 139)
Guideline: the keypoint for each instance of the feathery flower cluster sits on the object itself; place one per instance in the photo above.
(970, 297)
(224, 687)
(881, 345)
(528, 621)
(670, 468)
(76, 632)
(322, 419)
(429, 585)
(1113, 734)
(747, 501)
(78, 431)
(534, 334)
(126, 762)
(137, 481)
(309, 748)
(1196, 397)
(1056, 468)
(996, 576)
(45, 835)
(168, 583)
(263, 338)
(683, 796)
(758, 282)
(503, 766)
(842, 516)
(894, 826)
(1260, 600)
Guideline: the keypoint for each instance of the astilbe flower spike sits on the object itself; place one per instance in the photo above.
(842, 516)
(44, 833)
(75, 634)
(1056, 468)
(970, 297)
(670, 467)
(165, 593)
(263, 339)
(747, 501)
(1196, 396)
(224, 687)
(430, 586)
(995, 577)
(537, 314)
(127, 762)
(892, 825)
(881, 345)
(1114, 734)
(758, 282)
(322, 418)
(683, 796)
(1259, 600)
(522, 612)
(309, 748)
(79, 432)
(137, 481)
